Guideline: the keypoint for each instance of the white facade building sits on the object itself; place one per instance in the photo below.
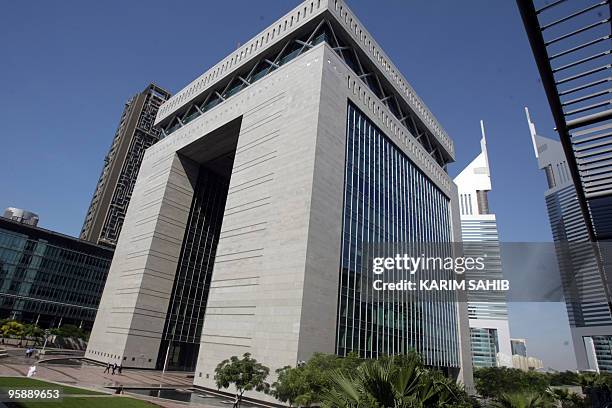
(587, 309)
(247, 221)
(488, 313)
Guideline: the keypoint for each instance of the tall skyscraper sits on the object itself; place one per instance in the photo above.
(248, 223)
(134, 135)
(488, 311)
(587, 308)
(571, 44)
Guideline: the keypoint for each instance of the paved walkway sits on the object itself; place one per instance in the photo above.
(93, 377)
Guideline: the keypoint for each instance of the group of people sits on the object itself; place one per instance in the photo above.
(114, 367)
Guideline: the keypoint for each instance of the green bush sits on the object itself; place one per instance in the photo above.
(304, 385)
(350, 381)
(493, 381)
(69, 330)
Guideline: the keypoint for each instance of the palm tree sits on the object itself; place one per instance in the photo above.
(393, 382)
(566, 398)
(522, 400)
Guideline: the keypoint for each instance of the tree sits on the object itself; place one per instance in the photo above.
(566, 398)
(12, 328)
(69, 330)
(245, 374)
(522, 400)
(32, 331)
(564, 378)
(291, 386)
(393, 382)
(304, 385)
(597, 388)
(492, 381)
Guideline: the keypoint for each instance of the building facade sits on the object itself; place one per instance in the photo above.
(526, 363)
(20, 215)
(488, 311)
(519, 347)
(134, 135)
(588, 311)
(247, 223)
(49, 278)
(571, 46)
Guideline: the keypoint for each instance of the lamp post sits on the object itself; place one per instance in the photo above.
(45, 343)
(168, 350)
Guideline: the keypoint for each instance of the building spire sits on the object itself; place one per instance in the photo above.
(482, 130)
(532, 130)
(483, 145)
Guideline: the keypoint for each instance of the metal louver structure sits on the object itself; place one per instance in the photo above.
(571, 42)
(438, 146)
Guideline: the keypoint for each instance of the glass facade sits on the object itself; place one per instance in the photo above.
(603, 352)
(485, 347)
(519, 347)
(183, 326)
(577, 261)
(48, 278)
(388, 201)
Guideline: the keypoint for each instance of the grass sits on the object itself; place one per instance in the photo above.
(93, 402)
(69, 401)
(24, 382)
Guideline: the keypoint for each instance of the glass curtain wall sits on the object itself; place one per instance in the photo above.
(183, 327)
(388, 201)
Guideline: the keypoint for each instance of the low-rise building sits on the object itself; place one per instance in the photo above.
(49, 278)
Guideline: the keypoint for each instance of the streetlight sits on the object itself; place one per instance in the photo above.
(47, 332)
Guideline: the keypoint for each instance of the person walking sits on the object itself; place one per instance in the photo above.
(114, 368)
(120, 368)
(32, 371)
(108, 367)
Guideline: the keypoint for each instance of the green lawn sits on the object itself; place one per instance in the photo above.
(93, 402)
(24, 382)
(69, 401)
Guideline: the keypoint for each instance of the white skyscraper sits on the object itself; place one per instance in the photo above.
(488, 313)
(587, 309)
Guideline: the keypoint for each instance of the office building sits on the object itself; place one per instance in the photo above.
(524, 363)
(49, 278)
(588, 311)
(20, 215)
(571, 45)
(519, 347)
(134, 135)
(248, 221)
(488, 311)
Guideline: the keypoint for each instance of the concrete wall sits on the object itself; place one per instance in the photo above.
(262, 250)
(134, 303)
(271, 284)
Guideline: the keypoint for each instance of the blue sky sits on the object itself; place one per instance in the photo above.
(67, 67)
